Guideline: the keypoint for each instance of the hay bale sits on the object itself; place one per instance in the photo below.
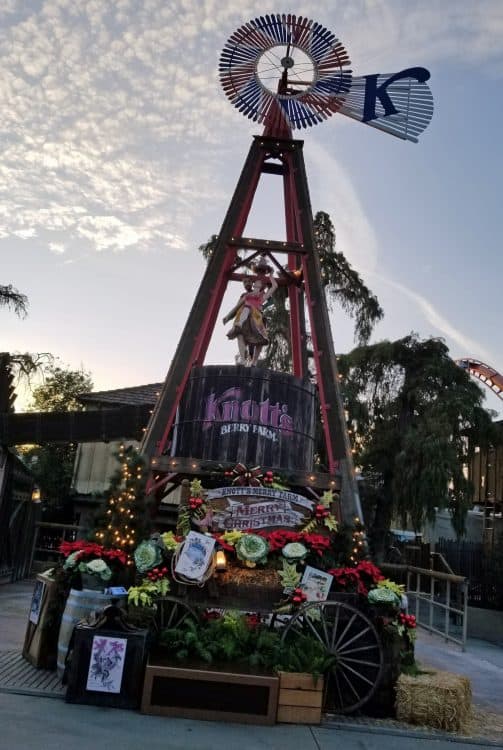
(435, 699)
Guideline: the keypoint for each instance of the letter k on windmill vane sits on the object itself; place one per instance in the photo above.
(290, 72)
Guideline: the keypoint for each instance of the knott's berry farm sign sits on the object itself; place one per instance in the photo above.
(236, 414)
(257, 417)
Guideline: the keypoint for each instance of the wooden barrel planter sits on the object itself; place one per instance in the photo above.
(79, 606)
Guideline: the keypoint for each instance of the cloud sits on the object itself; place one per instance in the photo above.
(115, 131)
(468, 346)
(57, 248)
(336, 194)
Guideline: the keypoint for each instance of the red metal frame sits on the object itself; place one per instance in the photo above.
(276, 144)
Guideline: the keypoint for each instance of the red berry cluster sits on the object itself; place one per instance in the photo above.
(253, 620)
(408, 620)
(268, 477)
(195, 503)
(298, 596)
(157, 573)
(321, 512)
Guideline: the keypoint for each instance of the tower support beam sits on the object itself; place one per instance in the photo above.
(302, 262)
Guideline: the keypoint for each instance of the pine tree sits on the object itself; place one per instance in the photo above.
(124, 522)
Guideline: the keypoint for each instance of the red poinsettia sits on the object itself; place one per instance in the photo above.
(369, 572)
(280, 538)
(91, 550)
(348, 580)
(318, 543)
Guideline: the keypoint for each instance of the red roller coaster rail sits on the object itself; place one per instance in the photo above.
(488, 375)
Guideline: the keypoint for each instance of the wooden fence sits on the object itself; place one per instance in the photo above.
(481, 566)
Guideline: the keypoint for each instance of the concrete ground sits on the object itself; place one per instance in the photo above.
(48, 724)
(482, 662)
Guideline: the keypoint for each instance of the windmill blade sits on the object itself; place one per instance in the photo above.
(400, 104)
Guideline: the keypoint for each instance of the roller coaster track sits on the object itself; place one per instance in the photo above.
(488, 375)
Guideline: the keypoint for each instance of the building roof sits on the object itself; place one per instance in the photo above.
(138, 395)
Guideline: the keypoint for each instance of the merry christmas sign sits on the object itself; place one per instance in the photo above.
(245, 508)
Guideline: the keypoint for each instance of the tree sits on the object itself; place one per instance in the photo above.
(52, 463)
(13, 300)
(61, 389)
(125, 520)
(343, 285)
(415, 420)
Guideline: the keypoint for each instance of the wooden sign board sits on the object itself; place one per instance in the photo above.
(256, 508)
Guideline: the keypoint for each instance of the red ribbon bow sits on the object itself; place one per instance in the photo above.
(247, 477)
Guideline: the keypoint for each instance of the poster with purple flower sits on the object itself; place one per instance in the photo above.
(107, 664)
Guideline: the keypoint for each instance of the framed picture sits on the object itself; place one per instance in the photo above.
(195, 557)
(36, 601)
(316, 584)
(107, 664)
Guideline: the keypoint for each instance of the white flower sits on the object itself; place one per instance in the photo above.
(99, 568)
(71, 560)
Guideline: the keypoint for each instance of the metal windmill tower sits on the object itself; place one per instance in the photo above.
(286, 73)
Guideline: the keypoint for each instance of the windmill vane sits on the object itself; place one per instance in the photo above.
(289, 72)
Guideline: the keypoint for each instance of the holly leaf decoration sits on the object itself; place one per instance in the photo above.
(289, 576)
(327, 498)
(196, 488)
(331, 523)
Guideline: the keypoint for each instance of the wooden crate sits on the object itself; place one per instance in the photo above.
(300, 698)
(209, 694)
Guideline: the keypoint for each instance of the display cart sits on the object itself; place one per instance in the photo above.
(346, 631)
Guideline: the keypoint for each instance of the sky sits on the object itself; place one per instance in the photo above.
(119, 153)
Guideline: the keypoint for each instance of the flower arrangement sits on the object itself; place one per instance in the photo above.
(92, 559)
(151, 558)
(358, 580)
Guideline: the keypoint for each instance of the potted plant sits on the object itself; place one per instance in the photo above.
(98, 566)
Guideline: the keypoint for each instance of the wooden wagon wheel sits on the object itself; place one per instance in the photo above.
(351, 639)
(172, 611)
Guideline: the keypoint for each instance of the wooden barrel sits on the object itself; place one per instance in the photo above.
(251, 415)
(79, 606)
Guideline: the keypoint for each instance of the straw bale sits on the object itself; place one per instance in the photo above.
(441, 700)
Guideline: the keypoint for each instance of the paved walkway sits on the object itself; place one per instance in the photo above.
(28, 721)
(482, 662)
(48, 725)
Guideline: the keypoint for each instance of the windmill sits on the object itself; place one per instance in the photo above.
(286, 73)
